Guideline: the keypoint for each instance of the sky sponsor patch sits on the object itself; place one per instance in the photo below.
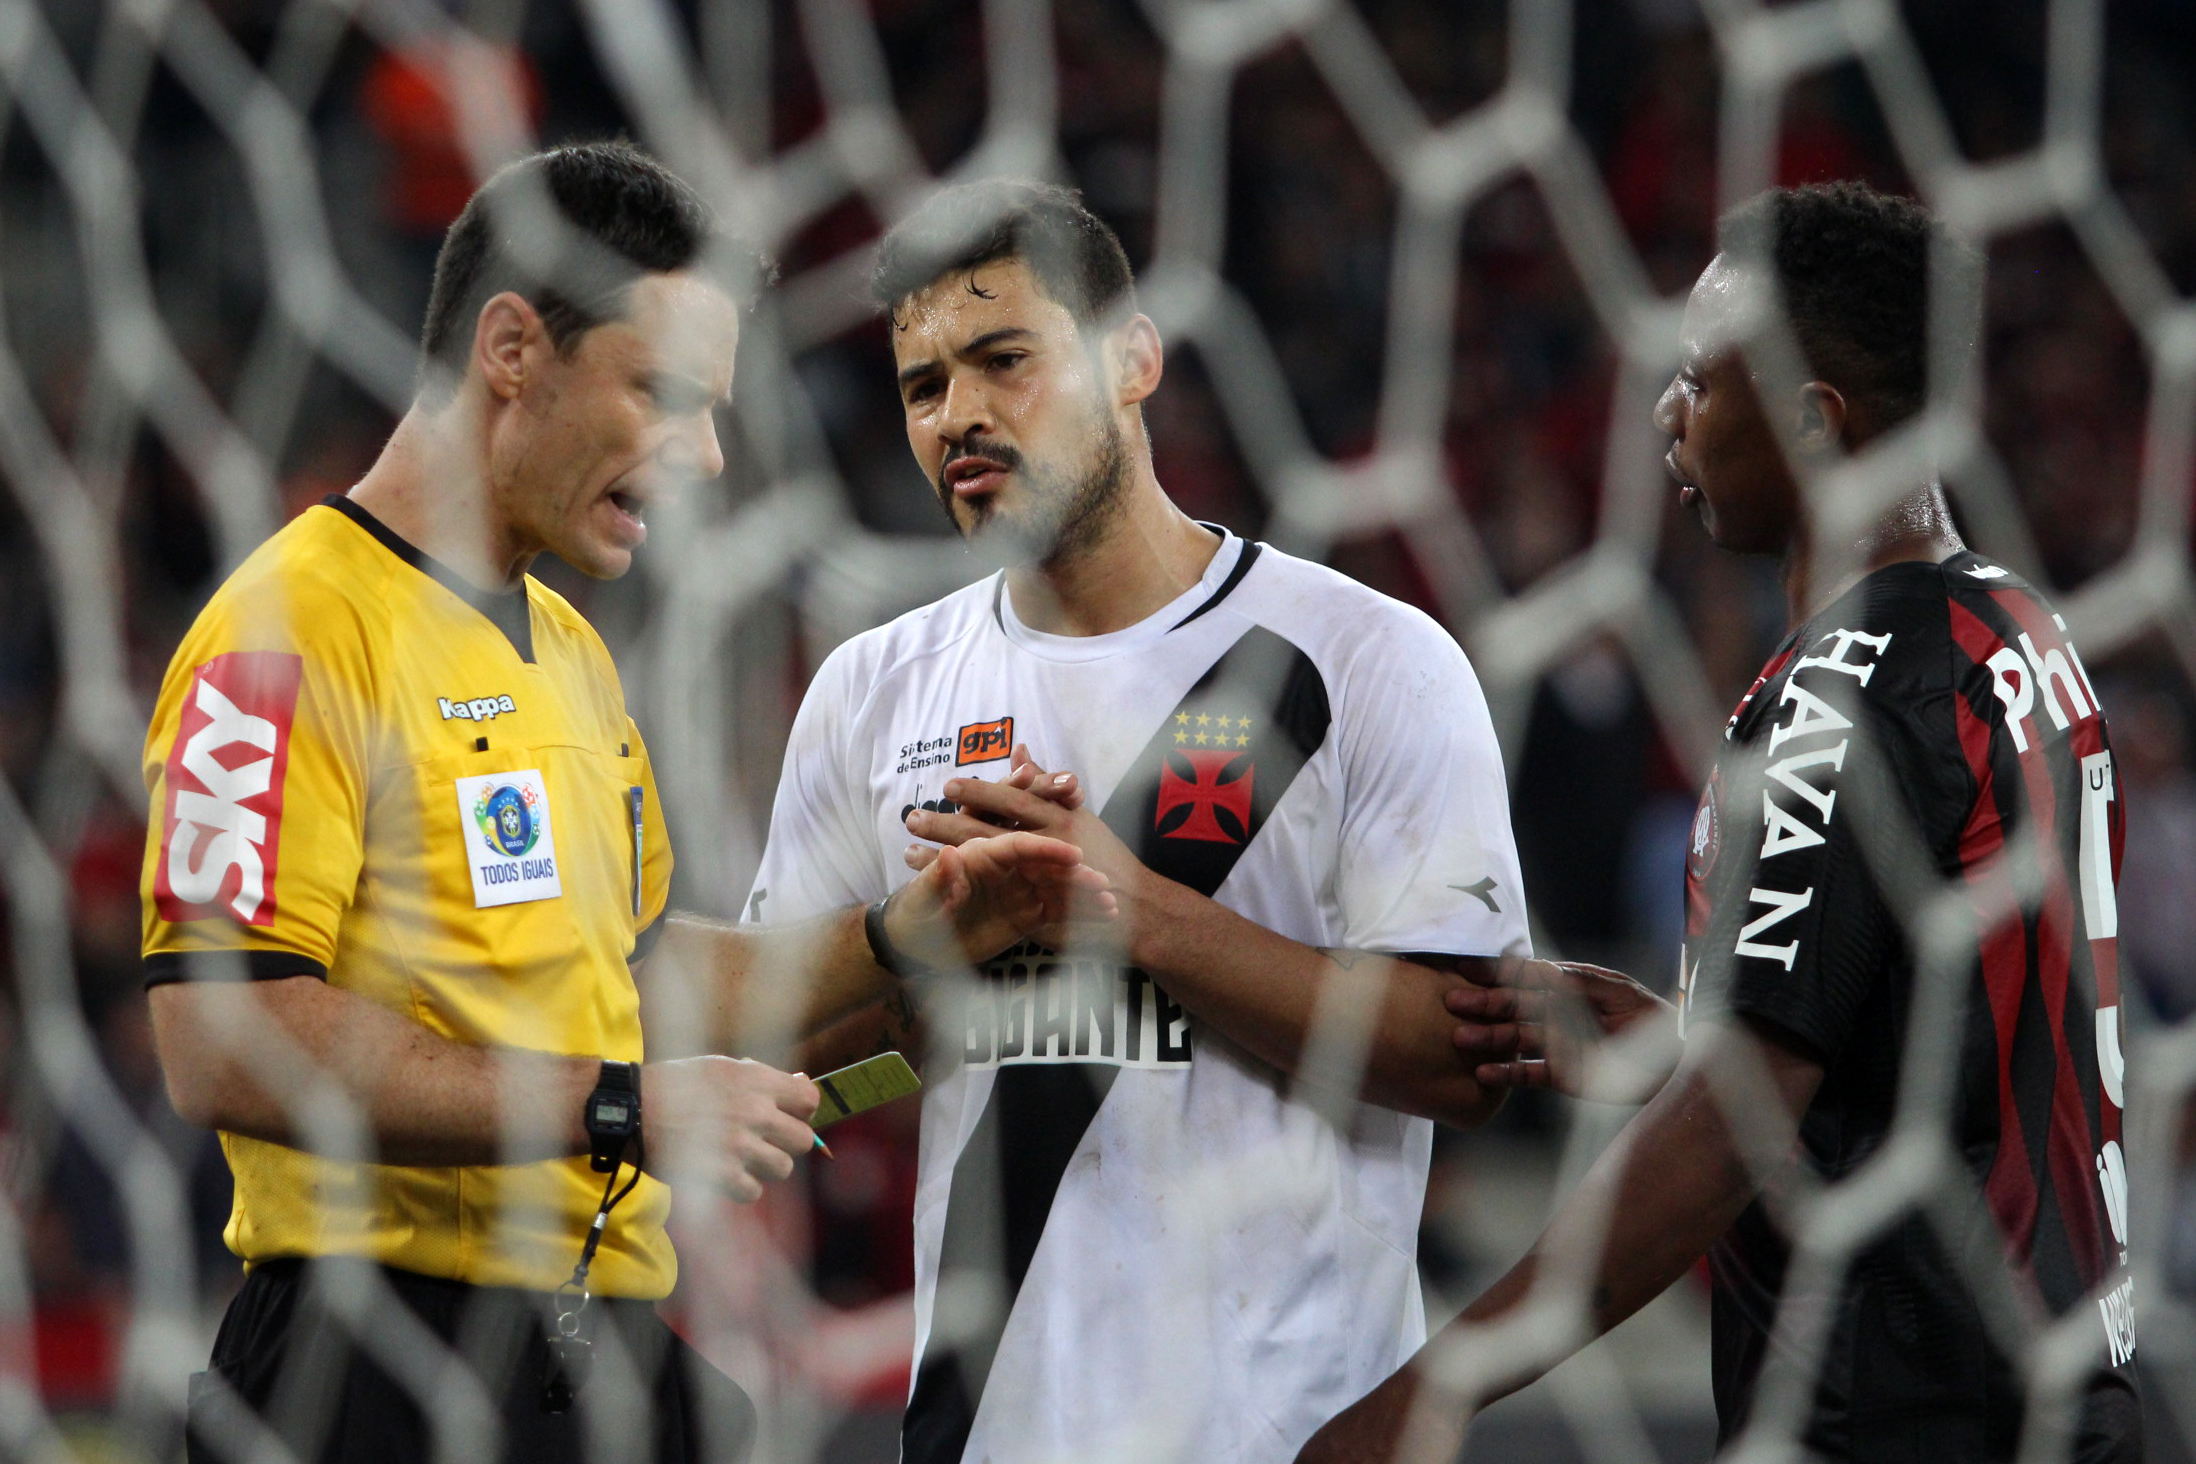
(222, 825)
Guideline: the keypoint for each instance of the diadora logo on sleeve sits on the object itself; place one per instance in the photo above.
(478, 709)
(508, 844)
(223, 821)
(984, 742)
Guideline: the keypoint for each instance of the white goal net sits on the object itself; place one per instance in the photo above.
(1419, 266)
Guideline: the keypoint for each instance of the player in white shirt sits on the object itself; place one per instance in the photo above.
(1286, 776)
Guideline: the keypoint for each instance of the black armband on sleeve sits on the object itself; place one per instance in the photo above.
(164, 968)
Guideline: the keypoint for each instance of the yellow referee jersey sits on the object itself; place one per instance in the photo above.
(358, 773)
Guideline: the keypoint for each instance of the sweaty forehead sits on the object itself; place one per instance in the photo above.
(1719, 311)
(963, 304)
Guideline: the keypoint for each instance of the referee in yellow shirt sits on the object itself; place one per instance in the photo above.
(405, 847)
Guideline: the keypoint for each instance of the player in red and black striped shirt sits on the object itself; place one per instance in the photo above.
(1900, 923)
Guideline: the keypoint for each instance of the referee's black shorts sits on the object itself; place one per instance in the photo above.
(298, 1374)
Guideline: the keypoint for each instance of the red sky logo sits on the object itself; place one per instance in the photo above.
(1205, 794)
(224, 789)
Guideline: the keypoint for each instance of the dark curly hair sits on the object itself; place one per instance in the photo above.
(628, 215)
(1854, 268)
(1076, 260)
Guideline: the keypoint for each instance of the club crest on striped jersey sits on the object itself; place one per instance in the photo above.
(222, 823)
(1205, 794)
(1206, 778)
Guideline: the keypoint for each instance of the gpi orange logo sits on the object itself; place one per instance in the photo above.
(985, 741)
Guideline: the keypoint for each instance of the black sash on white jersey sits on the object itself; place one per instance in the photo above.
(1184, 808)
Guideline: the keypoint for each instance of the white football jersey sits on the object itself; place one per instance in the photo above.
(1131, 1242)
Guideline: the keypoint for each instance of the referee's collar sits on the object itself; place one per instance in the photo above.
(507, 610)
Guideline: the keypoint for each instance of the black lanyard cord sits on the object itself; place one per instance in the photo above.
(612, 1196)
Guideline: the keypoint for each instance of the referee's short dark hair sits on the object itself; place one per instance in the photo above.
(1074, 257)
(1854, 268)
(623, 215)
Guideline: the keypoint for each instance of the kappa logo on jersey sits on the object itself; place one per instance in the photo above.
(1205, 795)
(479, 709)
(223, 821)
(1037, 1007)
(509, 846)
(982, 742)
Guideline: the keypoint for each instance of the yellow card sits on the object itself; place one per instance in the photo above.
(863, 1085)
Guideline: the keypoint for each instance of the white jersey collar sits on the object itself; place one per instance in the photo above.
(1218, 577)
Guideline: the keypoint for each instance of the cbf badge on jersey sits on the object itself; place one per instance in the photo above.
(508, 845)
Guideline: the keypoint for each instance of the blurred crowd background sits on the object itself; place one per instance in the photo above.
(1601, 805)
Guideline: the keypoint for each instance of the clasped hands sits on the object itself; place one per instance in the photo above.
(1524, 1023)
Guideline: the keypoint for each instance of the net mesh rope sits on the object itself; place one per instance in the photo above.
(692, 92)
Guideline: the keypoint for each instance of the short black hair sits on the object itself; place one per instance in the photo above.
(1074, 257)
(1853, 266)
(626, 215)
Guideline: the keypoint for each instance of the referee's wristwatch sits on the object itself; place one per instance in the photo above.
(613, 1113)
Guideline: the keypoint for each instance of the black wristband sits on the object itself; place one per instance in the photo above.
(613, 1114)
(884, 952)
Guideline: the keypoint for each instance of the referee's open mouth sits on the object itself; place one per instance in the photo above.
(630, 509)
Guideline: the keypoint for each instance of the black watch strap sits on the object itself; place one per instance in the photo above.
(885, 953)
(613, 1113)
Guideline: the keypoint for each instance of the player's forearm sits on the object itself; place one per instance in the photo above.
(1677, 1181)
(263, 1060)
(711, 987)
(1264, 992)
(1655, 1201)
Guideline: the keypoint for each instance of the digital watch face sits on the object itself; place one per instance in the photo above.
(613, 1113)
